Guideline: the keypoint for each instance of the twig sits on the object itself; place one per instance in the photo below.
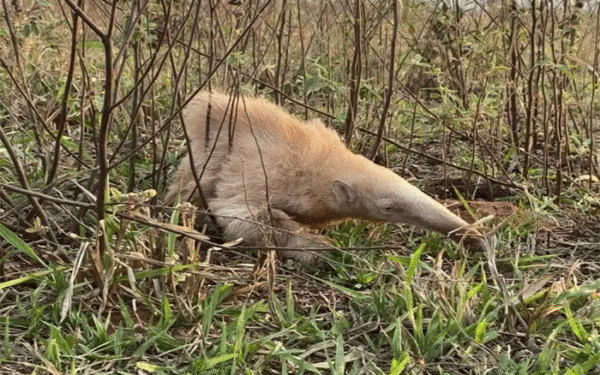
(86, 19)
(6, 198)
(356, 71)
(47, 197)
(62, 120)
(513, 184)
(390, 88)
(23, 181)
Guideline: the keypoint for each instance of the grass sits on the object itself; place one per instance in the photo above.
(386, 313)
(414, 314)
(142, 289)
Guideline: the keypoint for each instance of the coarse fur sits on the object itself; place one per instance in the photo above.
(246, 149)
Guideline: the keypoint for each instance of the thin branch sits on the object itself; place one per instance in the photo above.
(86, 19)
(355, 79)
(23, 181)
(513, 184)
(47, 197)
(390, 89)
(64, 111)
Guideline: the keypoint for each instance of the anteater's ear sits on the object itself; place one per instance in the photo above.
(343, 191)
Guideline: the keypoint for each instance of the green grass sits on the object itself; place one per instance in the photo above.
(416, 313)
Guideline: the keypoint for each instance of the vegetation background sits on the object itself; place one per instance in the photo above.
(492, 102)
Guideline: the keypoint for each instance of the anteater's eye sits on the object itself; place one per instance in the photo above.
(389, 208)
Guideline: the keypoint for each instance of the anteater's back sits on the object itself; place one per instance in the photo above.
(246, 133)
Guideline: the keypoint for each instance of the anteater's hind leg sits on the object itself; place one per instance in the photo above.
(261, 228)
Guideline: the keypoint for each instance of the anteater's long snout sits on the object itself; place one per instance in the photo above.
(430, 214)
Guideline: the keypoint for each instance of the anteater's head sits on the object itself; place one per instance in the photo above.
(381, 195)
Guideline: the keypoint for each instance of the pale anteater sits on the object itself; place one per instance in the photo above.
(253, 150)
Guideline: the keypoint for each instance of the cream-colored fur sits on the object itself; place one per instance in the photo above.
(311, 177)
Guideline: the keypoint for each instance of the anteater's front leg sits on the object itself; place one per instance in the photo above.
(258, 226)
